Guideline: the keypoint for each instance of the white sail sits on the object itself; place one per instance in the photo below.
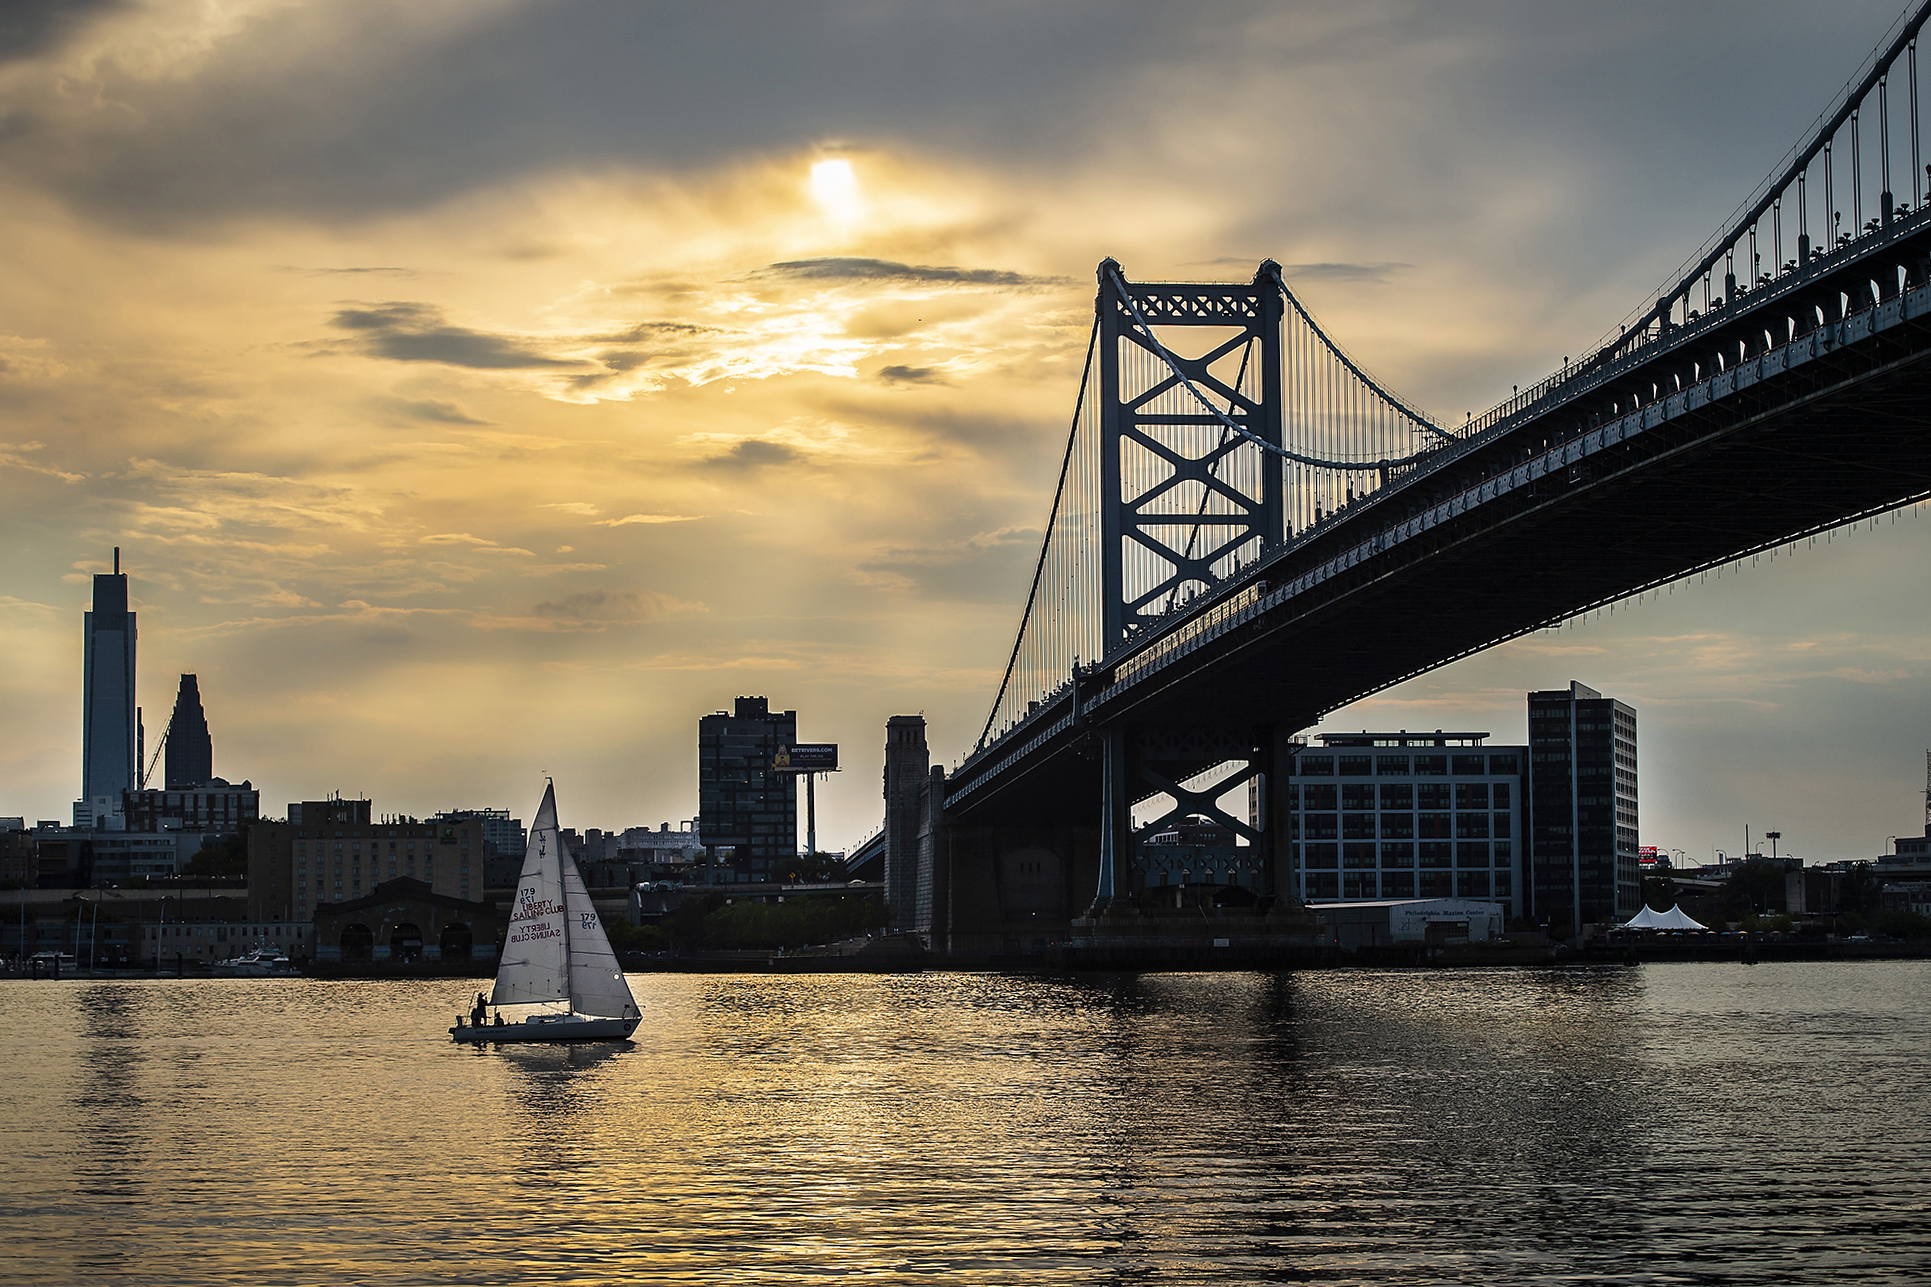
(535, 965)
(597, 985)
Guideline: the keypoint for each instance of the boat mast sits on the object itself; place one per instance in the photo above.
(563, 896)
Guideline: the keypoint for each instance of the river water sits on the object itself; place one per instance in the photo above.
(1666, 1124)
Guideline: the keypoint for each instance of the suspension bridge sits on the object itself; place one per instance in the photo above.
(1249, 530)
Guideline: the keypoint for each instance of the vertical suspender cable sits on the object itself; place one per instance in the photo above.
(1831, 216)
(1857, 177)
(1917, 193)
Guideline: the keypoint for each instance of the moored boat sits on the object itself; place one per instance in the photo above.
(262, 963)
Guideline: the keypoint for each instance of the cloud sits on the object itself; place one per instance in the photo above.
(32, 27)
(437, 410)
(374, 271)
(1375, 272)
(911, 375)
(753, 454)
(611, 607)
(982, 568)
(629, 519)
(1244, 265)
(475, 544)
(14, 455)
(188, 113)
(411, 332)
(847, 269)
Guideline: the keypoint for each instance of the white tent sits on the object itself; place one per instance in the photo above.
(1673, 919)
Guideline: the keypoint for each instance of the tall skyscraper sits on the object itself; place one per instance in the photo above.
(190, 754)
(743, 805)
(1583, 854)
(108, 723)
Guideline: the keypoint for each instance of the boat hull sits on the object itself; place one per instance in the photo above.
(571, 1027)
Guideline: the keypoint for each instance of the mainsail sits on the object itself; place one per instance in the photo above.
(557, 953)
(597, 985)
(535, 966)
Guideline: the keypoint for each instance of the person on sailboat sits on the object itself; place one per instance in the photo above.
(479, 1013)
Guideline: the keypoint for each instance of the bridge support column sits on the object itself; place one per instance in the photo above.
(1199, 884)
(1276, 821)
(1116, 817)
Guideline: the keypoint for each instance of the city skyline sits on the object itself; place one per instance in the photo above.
(505, 446)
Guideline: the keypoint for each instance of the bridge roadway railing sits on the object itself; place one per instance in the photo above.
(1260, 590)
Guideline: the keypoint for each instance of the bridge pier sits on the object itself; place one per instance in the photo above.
(1180, 889)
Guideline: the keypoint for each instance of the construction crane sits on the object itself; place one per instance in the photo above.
(148, 772)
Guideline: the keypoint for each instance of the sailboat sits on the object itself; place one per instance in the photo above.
(557, 979)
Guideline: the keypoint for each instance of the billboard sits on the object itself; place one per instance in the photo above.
(806, 757)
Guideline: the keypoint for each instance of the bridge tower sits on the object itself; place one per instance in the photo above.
(1186, 498)
(1189, 493)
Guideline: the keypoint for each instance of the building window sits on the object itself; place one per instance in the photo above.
(1357, 826)
(1398, 796)
(1501, 824)
(1432, 826)
(1359, 884)
(1397, 855)
(1472, 884)
(1435, 853)
(1471, 826)
(1397, 884)
(1471, 854)
(1472, 766)
(1323, 884)
(1398, 826)
(1434, 766)
(1354, 766)
(1501, 790)
(1317, 766)
(1357, 854)
(1327, 854)
(1391, 766)
(1471, 795)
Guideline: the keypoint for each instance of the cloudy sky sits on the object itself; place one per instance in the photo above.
(486, 388)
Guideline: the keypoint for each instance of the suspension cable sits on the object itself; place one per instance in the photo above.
(1046, 544)
(1421, 421)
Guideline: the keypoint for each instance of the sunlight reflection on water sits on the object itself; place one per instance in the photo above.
(1696, 1123)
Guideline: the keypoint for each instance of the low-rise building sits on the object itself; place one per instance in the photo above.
(212, 808)
(18, 865)
(122, 855)
(207, 941)
(1385, 922)
(335, 851)
(406, 920)
(1393, 816)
